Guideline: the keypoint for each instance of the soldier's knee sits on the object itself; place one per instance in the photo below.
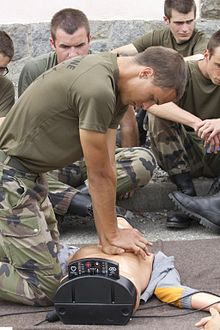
(146, 165)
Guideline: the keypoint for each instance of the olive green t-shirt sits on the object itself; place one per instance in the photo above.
(7, 96)
(196, 45)
(34, 68)
(201, 97)
(42, 129)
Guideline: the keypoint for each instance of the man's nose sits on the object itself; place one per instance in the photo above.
(73, 52)
(185, 27)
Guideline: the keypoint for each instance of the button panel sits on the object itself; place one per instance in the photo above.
(94, 266)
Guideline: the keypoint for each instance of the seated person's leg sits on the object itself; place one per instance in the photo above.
(177, 150)
(62, 192)
(180, 153)
(73, 175)
(60, 195)
(67, 199)
(135, 167)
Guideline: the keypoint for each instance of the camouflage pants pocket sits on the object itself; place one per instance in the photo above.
(14, 200)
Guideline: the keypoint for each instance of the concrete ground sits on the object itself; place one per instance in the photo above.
(148, 209)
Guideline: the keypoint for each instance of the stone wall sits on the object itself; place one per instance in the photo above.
(210, 9)
(31, 40)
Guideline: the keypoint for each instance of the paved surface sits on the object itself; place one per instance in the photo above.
(153, 198)
(151, 224)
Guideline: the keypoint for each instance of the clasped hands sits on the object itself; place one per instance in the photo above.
(126, 239)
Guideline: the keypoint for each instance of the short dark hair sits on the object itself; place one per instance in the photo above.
(182, 6)
(168, 65)
(6, 44)
(213, 43)
(69, 20)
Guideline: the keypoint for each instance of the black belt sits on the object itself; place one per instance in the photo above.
(12, 162)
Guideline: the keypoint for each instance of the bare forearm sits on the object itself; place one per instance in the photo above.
(126, 50)
(202, 300)
(170, 111)
(102, 188)
(195, 57)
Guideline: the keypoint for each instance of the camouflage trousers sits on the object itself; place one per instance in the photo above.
(29, 240)
(134, 166)
(178, 150)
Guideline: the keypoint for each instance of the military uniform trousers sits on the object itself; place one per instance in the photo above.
(134, 166)
(29, 240)
(178, 150)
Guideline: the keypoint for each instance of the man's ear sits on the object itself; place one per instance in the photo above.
(206, 54)
(52, 43)
(146, 73)
(89, 38)
(166, 20)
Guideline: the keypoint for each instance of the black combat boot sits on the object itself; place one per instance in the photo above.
(184, 183)
(215, 187)
(81, 204)
(205, 209)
